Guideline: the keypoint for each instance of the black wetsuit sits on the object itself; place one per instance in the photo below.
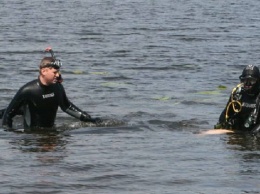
(39, 104)
(238, 120)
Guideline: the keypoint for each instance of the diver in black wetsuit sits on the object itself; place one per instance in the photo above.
(39, 99)
(242, 109)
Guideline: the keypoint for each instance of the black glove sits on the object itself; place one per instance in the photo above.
(87, 118)
(96, 120)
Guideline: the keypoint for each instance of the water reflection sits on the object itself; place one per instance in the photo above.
(245, 160)
(244, 142)
(47, 147)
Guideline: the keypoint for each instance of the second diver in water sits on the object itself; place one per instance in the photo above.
(242, 109)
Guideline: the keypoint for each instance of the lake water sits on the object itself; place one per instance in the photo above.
(152, 69)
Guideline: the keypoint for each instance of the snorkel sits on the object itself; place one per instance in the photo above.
(56, 63)
(49, 49)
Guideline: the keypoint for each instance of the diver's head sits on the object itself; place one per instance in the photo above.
(250, 78)
(49, 69)
(50, 62)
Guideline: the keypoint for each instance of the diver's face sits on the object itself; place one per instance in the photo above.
(248, 83)
(49, 75)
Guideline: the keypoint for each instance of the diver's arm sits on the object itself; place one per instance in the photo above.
(13, 109)
(77, 113)
(81, 115)
(72, 109)
(2, 111)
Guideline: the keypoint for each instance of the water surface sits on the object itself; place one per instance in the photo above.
(152, 69)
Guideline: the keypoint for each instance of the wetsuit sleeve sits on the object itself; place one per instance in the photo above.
(78, 113)
(14, 108)
(69, 107)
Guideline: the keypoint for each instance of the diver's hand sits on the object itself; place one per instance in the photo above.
(87, 118)
(96, 120)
